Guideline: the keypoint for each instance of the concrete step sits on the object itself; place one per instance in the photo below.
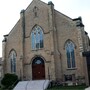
(32, 85)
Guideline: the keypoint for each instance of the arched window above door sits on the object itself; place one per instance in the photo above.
(37, 38)
(38, 60)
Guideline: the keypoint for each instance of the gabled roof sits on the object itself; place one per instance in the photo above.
(46, 4)
(63, 14)
(36, 1)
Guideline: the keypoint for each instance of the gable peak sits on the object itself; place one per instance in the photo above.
(36, 0)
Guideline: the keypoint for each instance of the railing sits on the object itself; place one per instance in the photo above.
(43, 84)
(10, 87)
(27, 85)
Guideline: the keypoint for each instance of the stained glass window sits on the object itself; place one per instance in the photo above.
(70, 54)
(13, 61)
(38, 60)
(37, 38)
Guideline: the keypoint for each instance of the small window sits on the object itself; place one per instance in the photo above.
(37, 38)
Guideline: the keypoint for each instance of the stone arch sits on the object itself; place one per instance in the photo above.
(11, 51)
(69, 40)
(37, 56)
(36, 26)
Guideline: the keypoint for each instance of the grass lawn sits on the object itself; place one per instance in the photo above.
(68, 88)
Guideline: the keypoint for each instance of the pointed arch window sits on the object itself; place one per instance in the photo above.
(13, 61)
(70, 54)
(37, 38)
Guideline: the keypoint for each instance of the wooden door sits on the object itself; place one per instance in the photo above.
(38, 70)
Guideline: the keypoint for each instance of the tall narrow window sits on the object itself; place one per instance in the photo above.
(70, 54)
(37, 38)
(13, 61)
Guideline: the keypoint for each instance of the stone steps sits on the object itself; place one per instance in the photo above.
(32, 85)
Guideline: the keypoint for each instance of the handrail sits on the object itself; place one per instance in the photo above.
(12, 84)
(26, 85)
(44, 83)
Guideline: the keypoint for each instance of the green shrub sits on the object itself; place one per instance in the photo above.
(9, 79)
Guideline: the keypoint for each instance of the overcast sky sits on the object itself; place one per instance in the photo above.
(10, 13)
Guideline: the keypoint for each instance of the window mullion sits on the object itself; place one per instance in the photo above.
(39, 39)
(70, 60)
(35, 41)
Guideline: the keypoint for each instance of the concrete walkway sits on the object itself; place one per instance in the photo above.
(32, 85)
(87, 88)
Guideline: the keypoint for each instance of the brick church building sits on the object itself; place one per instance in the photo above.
(46, 44)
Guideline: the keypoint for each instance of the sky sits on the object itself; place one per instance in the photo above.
(10, 13)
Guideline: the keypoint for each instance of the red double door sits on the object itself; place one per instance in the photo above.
(38, 70)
